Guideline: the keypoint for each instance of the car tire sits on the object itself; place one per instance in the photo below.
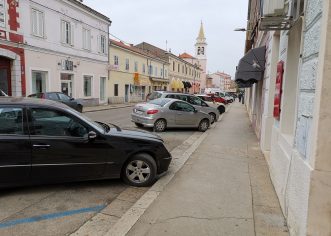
(140, 170)
(221, 109)
(80, 108)
(139, 125)
(203, 125)
(160, 125)
(212, 118)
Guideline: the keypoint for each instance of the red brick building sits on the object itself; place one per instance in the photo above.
(12, 64)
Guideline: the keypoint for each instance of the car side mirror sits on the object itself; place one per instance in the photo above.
(92, 135)
(71, 99)
(195, 111)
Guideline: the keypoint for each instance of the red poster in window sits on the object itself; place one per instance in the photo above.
(278, 89)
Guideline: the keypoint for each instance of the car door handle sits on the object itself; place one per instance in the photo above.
(41, 146)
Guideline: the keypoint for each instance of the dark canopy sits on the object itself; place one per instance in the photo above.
(251, 67)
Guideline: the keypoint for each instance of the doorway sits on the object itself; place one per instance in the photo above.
(102, 88)
(126, 93)
(66, 84)
(5, 76)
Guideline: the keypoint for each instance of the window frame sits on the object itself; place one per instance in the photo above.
(38, 13)
(91, 77)
(87, 44)
(67, 32)
(30, 124)
(25, 130)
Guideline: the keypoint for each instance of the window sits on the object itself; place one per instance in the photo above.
(165, 73)
(155, 71)
(161, 72)
(197, 101)
(144, 68)
(87, 86)
(183, 69)
(86, 39)
(55, 123)
(135, 66)
(52, 96)
(11, 120)
(39, 80)
(63, 97)
(116, 60)
(127, 64)
(67, 32)
(115, 90)
(150, 70)
(173, 66)
(103, 44)
(37, 23)
(178, 67)
(181, 106)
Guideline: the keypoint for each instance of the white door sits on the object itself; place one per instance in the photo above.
(102, 89)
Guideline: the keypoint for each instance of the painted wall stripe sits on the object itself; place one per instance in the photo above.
(50, 216)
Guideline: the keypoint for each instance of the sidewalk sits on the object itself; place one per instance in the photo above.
(107, 107)
(223, 189)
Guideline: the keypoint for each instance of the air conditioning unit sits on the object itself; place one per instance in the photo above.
(274, 8)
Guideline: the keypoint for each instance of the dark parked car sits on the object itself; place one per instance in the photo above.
(60, 97)
(42, 141)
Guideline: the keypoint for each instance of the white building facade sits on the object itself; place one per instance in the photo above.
(289, 109)
(66, 49)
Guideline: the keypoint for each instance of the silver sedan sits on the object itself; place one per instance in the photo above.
(164, 113)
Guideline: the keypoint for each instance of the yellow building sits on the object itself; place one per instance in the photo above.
(134, 73)
(184, 70)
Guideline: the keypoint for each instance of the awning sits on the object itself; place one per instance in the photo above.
(159, 80)
(251, 67)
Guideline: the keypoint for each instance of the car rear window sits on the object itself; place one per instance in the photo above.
(155, 95)
(159, 102)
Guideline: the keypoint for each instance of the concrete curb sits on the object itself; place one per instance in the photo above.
(129, 219)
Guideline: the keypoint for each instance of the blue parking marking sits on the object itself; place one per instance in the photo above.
(50, 216)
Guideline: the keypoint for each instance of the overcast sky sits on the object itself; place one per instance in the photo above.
(178, 22)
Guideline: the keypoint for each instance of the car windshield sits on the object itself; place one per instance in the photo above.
(155, 95)
(159, 102)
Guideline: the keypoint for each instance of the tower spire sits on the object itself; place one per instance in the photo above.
(201, 35)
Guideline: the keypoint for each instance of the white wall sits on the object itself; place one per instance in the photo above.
(54, 12)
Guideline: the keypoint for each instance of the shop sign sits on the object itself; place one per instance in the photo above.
(67, 65)
(278, 90)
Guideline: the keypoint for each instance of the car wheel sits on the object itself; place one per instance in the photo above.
(139, 125)
(212, 118)
(221, 109)
(160, 125)
(139, 171)
(204, 125)
(80, 108)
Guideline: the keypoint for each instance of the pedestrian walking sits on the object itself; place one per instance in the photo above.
(239, 97)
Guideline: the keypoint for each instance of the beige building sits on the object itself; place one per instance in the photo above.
(183, 75)
(134, 73)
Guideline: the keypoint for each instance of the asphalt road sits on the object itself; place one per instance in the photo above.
(61, 209)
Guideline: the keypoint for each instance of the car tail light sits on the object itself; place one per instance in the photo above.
(152, 112)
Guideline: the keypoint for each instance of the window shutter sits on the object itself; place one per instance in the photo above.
(63, 31)
(72, 33)
(99, 43)
(89, 40)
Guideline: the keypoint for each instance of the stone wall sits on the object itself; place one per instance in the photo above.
(307, 76)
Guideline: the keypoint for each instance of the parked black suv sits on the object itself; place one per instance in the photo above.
(42, 141)
(60, 97)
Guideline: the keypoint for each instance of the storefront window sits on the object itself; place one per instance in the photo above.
(39, 81)
(87, 86)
